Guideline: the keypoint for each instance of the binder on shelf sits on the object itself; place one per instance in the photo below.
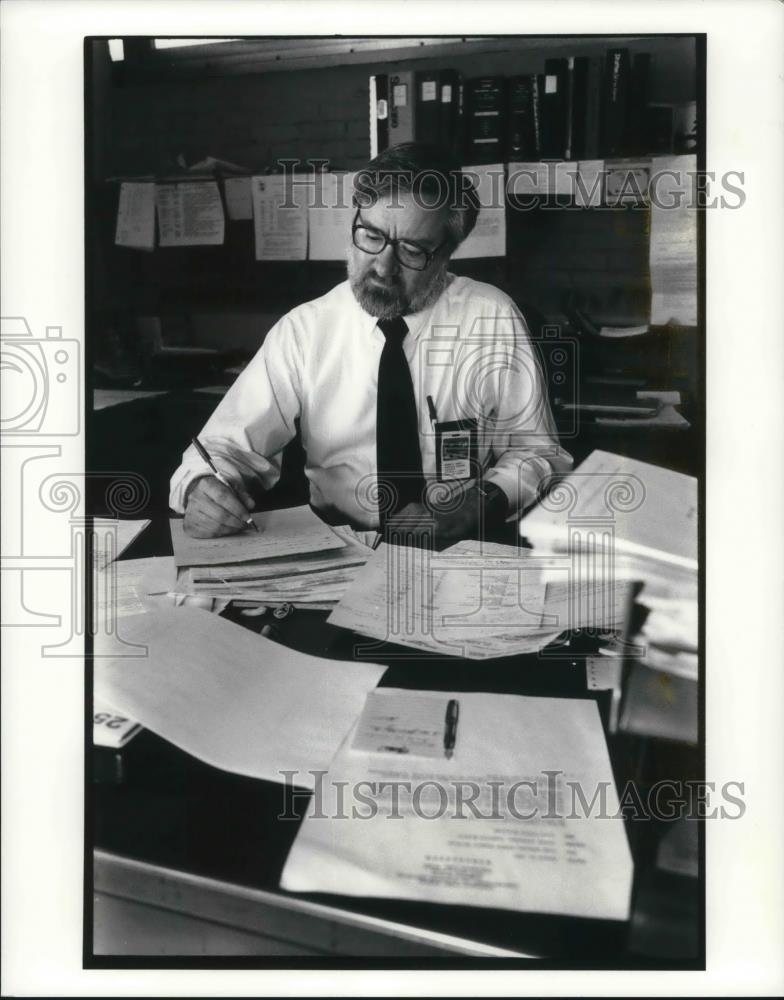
(401, 107)
(615, 102)
(485, 98)
(524, 133)
(379, 114)
(555, 109)
(638, 102)
(593, 109)
(579, 97)
(451, 118)
(427, 109)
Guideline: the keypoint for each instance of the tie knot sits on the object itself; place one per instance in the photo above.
(393, 329)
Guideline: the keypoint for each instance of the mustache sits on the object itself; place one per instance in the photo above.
(390, 281)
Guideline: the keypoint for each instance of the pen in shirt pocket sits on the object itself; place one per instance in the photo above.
(221, 478)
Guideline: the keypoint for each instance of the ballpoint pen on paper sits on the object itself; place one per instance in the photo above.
(450, 727)
(220, 477)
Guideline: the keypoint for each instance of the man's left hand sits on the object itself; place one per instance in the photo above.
(472, 511)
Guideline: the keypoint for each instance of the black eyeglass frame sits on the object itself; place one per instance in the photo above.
(429, 254)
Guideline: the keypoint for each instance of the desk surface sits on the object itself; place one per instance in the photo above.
(174, 814)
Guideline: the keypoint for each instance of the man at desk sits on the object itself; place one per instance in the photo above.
(418, 394)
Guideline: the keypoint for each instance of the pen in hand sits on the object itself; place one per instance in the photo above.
(220, 477)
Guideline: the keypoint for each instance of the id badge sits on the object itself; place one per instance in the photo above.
(456, 450)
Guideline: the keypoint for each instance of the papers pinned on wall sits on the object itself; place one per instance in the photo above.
(330, 216)
(488, 238)
(190, 214)
(673, 252)
(542, 179)
(280, 216)
(136, 216)
(239, 203)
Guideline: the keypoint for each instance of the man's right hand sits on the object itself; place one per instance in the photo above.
(212, 509)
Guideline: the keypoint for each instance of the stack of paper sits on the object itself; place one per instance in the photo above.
(625, 520)
(473, 600)
(112, 536)
(616, 502)
(523, 815)
(294, 558)
(670, 635)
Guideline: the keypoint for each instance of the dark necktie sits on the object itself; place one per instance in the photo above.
(399, 459)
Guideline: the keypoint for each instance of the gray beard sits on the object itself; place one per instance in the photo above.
(387, 303)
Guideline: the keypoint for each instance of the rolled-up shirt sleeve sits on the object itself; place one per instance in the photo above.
(524, 445)
(249, 429)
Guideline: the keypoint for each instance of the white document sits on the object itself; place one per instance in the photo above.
(443, 851)
(190, 214)
(452, 603)
(644, 509)
(540, 179)
(112, 536)
(233, 699)
(488, 238)
(132, 586)
(136, 216)
(281, 533)
(280, 216)
(330, 216)
(673, 242)
(239, 204)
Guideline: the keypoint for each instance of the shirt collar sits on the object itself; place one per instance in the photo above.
(416, 322)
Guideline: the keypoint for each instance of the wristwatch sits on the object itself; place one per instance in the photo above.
(495, 500)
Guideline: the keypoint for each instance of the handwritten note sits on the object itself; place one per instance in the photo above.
(410, 722)
(281, 533)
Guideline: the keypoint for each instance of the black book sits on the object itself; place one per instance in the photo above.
(615, 102)
(485, 119)
(524, 134)
(593, 109)
(427, 114)
(580, 96)
(555, 109)
(638, 102)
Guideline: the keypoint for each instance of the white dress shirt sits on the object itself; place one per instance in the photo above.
(470, 352)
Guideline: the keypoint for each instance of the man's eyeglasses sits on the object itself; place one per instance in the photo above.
(406, 253)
